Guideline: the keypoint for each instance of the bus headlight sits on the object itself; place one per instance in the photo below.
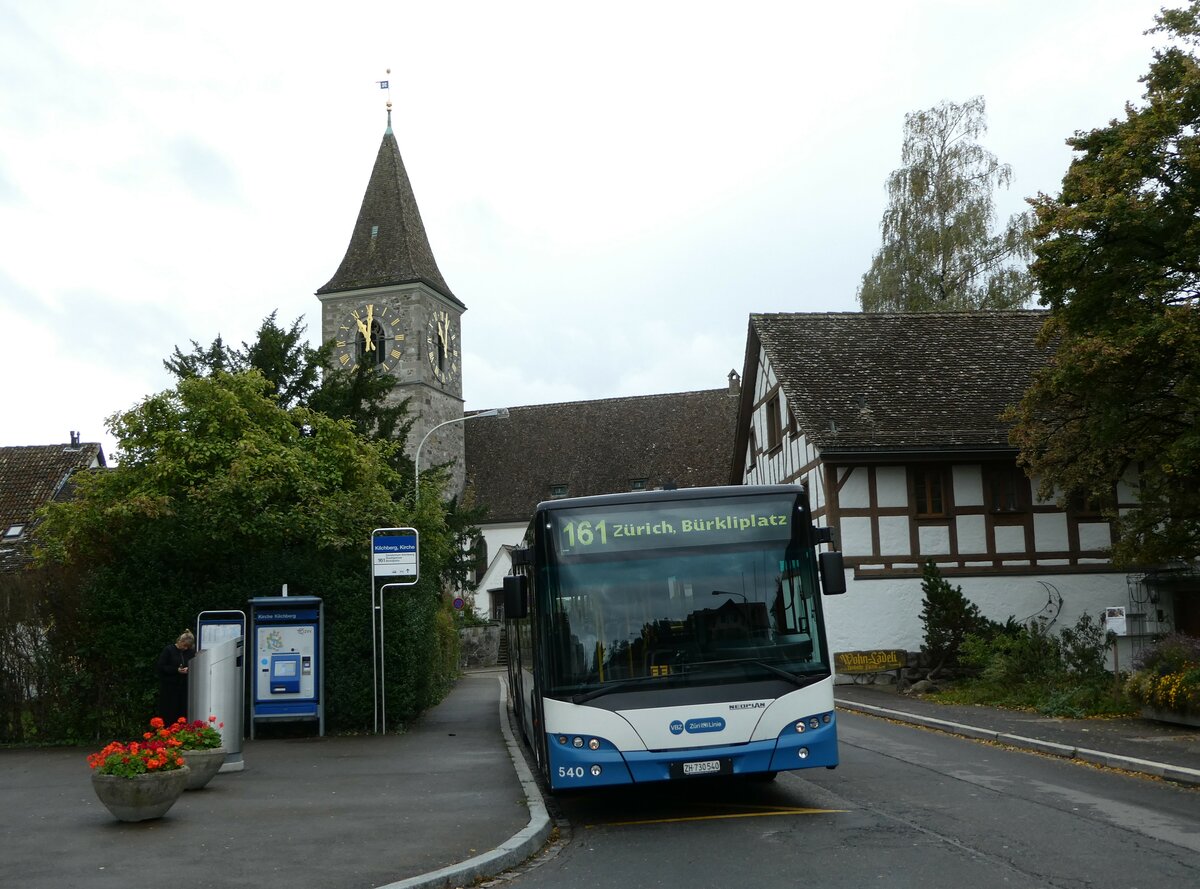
(803, 751)
(577, 742)
(814, 723)
(593, 744)
(827, 718)
(596, 771)
(800, 726)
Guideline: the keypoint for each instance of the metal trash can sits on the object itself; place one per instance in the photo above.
(216, 679)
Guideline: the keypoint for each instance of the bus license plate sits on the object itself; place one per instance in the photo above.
(706, 767)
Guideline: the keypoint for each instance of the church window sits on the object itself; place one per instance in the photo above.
(557, 492)
(378, 351)
(374, 232)
(637, 484)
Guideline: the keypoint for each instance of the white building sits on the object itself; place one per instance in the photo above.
(893, 423)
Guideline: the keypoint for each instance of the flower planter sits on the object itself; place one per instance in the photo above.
(141, 797)
(203, 764)
(1177, 717)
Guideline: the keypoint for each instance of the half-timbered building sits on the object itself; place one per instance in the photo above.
(894, 423)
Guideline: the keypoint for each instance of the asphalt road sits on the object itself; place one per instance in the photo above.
(906, 808)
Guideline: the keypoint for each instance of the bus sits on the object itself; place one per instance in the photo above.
(666, 635)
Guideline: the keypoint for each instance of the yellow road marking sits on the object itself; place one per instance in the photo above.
(768, 814)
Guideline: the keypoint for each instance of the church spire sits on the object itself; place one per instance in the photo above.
(389, 245)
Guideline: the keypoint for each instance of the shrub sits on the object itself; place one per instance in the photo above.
(1168, 675)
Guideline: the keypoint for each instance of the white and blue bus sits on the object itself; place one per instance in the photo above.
(661, 635)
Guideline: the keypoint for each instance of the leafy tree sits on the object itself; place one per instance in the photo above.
(1118, 265)
(938, 252)
(221, 494)
(300, 378)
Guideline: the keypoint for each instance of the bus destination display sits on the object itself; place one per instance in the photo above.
(696, 523)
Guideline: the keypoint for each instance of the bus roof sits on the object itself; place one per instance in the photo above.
(674, 494)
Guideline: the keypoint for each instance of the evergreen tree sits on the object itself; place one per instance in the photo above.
(948, 617)
(939, 253)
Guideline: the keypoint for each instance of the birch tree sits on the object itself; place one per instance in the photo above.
(939, 252)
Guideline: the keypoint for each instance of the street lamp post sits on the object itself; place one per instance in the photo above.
(494, 412)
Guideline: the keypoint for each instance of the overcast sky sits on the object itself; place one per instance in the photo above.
(610, 188)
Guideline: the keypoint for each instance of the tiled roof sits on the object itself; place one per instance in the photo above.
(901, 381)
(598, 447)
(389, 245)
(30, 477)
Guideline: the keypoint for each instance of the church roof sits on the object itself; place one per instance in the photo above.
(389, 245)
(30, 477)
(880, 382)
(598, 447)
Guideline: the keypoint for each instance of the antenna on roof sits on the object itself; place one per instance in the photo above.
(386, 85)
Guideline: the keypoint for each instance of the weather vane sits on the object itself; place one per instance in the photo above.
(383, 85)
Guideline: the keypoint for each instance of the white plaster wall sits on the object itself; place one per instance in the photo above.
(1094, 536)
(1050, 532)
(972, 534)
(891, 486)
(894, 539)
(934, 540)
(854, 492)
(886, 612)
(968, 485)
(1010, 538)
(856, 536)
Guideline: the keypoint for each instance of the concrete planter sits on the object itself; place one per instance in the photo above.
(143, 797)
(203, 764)
(1174, 716)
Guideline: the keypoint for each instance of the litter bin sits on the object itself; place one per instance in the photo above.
(216, 679)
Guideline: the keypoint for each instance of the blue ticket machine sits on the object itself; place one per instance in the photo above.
(287, 683)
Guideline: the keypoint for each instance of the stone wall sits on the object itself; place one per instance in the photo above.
(479, 646)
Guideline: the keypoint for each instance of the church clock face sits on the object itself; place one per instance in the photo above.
(441, 343)
(368, 334)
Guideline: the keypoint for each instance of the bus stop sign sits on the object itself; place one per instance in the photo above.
(395, 555)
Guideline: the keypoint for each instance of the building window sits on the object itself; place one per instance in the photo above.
(752, 457)
(774, 424)
(1008, 490)
(929, 487)
(14, 531)
(793, 427)
(638, 484)
(557, 492)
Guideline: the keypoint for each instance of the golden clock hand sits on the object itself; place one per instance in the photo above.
(362, 328)
(370, 323)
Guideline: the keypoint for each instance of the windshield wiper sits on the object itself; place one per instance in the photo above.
(610, 687)
(798, 681)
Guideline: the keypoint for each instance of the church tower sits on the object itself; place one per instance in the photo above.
(388, 306)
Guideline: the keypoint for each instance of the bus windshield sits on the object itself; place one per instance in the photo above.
(708, 592)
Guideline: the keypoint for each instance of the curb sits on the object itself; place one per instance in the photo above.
(509, 854)
(1180, 774)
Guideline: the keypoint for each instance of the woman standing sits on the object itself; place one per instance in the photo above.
(173, 677)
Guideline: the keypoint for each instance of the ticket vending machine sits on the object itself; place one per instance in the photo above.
(287, 680)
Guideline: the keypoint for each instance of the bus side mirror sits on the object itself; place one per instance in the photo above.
(833, 573)
(516, 596)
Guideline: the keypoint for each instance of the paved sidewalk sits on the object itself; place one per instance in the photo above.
(1137, 745)
(446, 802)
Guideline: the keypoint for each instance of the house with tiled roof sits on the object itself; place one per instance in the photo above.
(30, 477)
(893, 422)
(579, 448)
